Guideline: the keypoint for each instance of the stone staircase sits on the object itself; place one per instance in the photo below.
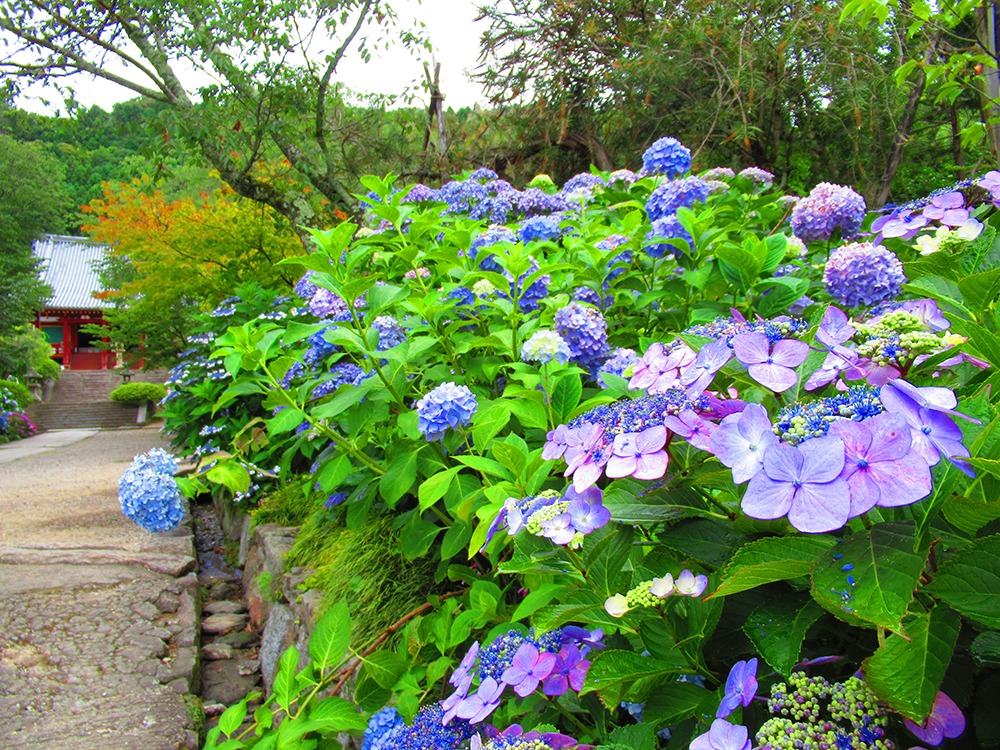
(80, 400)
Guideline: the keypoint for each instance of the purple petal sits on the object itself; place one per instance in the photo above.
(823, 459)
(751, 348)
(651, 466)
(783, 463)
(821, 507)
(618, 466)
(790, 352)
(776, 377)
(767, 499)
(651, 439)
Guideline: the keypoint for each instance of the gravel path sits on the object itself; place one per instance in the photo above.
(98, 618)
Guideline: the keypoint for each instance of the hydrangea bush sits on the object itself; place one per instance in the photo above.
(675, 444)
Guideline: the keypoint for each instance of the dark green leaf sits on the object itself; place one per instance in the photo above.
(870, 576)
(986, 649)
(385, 667)
(605, 567)
(969, 581)
(417, 536)
(399, 476)
(907, 674)
(771, 559)
(673, 702)
(777, 629)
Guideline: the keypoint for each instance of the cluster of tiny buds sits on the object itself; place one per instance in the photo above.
(810, 713)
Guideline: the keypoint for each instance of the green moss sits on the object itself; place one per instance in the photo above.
(365, 567)
(196, 712)
(289, 505)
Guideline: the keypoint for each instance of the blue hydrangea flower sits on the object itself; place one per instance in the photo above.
(494, 208)
(420, 193)
(390, 333)
(760, 177)
(545, 346)
(620, 360)
(447, 406)
(667, 156)
(862, 274)
(828, 207)
(379, 725)
(624, 177)
(427, 731)
(586, 332)
(670, 196)
(804, 420)
(588, 295)
(530, 297)
(462, 195)
(539, 228)
(584, 180)
(718, 173)
(492, 236)
(536, 202)
(319, 349)
(343, 373)
(334, 500)
(462, 296)
(148, 494)
(482, 174)
(669, 228)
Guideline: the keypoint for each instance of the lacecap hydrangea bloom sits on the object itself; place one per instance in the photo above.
(862, 274)
(447, 406)
(827, 208)
(667, 156)
(148, 494)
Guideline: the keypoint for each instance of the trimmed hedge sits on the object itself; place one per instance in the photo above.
(135, 394)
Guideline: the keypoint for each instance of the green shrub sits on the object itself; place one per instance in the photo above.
(48, 368)
(17, 391)
(135, 394)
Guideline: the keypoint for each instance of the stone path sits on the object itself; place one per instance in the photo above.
(98, 618)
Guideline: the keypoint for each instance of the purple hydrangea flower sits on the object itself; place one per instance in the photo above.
(390, 333)
(626, 176)
(827, 208)
(569, 671)
(741, 687)
(620, 360)
(741, 440)
(640, 455)
(723, 736)
(947, 208)
(699, 374)
(879, 464)
(945, 720)
(803, 482)
(668, 227)
(528, 669)
(586, 509)
(582, 181)
(690, 426)
(447, 406)
(304, 286)
(660, 369)
(420, 193)
(670, 196)
(761, 177)
(586, 332)
(772, 368)
(536, 202)
(928, 412)
(482, 174)
(689, 584)
(862, 274)
(667, 156)
(905, 224)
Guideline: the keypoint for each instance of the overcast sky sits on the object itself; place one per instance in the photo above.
(450, 26)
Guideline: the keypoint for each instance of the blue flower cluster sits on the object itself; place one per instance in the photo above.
(620, 360)
(862, 274)
(545, 346)
(148, 494)
(344, 373)
(667, 228)
(586, 333)
(582, 181)
(536, 202)
(531, 296)
(427, 731)
(667, 156)
(492, 236)
(390, 332)
(804, 420)
(447, 406)
(588, 295)
(725, 328)
(670, 196)
(319, 349)
(540, 228)
(635, 415)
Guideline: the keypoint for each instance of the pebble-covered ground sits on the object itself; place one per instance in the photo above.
(97, 617)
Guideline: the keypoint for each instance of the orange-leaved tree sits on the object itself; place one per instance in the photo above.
(172, 258)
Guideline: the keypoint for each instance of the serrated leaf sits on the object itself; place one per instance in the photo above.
(487, 422)
(969, 581)
(331, 636)
(674, 702)
(485, 466)
(771, 559)
(231, 475)
(778, 628)
(385, 667)
(536, 599)
(284, 680)
(907, 674)
(606, 564)
(986, 649)
(511, 457)
(334, 714)
(399, 477)
(566, 396)
(433, 488)
(614, 670)
(633, 736)
(417, 536)
(870, 576)
(530, 413)
(232, 718)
